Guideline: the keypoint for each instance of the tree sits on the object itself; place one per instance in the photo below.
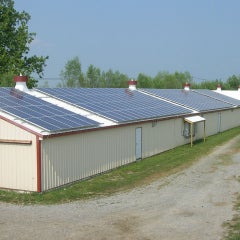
(93, 76)
(182, 78)
(233, 82)
(211, 85)
(171, 80)
(112, 79)
(72, 75)
(14, 44)
(144, 81)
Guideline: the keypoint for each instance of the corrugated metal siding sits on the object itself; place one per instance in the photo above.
(162, 136)
(70, 158)
(230, 119)
(212, 122)
(17, 161)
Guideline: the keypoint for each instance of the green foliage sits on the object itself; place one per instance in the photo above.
(144, 81)
(115, 79)
(14, 44)
(93, 76)
(212, 85)
(6, 80)
(72, 74)
(233, 82)
(167, 80)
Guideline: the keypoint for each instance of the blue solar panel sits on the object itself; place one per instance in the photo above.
(119, 105)
(218, 96)
(41, 113)
(191, 99)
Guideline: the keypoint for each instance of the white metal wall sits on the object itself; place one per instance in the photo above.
(230, 119)
(69, 158)
(221, 121)
(161, 136)
(17, 161)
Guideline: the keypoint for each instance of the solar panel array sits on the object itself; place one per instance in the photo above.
(119, 105)
(218, 96)
(191, 99)
(41, 113)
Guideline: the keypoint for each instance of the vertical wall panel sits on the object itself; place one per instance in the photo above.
(18, 168)
(69, 158)
(230, 119)
(161, 136)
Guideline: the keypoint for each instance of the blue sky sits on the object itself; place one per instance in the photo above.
(138, 36)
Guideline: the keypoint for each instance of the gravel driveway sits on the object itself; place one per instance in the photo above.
(192, 204)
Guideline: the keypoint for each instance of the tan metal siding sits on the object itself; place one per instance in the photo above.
(70, 158)
(17, 161)
(211, 123)
(230, 119)
(162, 135)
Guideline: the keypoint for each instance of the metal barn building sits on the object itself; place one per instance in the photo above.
(54, 136)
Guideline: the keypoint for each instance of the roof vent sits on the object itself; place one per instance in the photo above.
(132, 84)
(21, 83)
(219, 88)
(187, 86)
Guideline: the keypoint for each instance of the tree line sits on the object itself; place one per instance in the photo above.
(73, 76)
(15, 40)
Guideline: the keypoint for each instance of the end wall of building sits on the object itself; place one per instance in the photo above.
(18, 167)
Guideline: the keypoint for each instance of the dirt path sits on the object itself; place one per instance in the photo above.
(192, 204)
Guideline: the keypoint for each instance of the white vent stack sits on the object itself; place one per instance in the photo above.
(132, 84)
(21, 83)
(187, 86)
(219, 88)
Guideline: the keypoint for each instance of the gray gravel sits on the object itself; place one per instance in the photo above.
(192, 204)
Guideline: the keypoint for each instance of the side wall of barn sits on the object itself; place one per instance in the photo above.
(18, 165)
(70, 158)
(217, 122)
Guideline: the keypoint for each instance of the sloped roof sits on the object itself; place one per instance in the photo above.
(230, 99)
(118, 104)
(230, 93)
(55, 110)
(40, 113)
(199, 100)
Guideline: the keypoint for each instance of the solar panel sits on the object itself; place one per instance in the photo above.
(191, 99)
(119, 105)
(41, 113)
(218, 96)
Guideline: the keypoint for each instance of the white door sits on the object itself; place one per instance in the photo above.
(138, 143)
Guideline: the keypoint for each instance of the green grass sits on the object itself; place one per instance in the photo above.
(126, 177)
(233, 226)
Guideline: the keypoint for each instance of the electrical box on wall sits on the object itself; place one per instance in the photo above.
(187, 130)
